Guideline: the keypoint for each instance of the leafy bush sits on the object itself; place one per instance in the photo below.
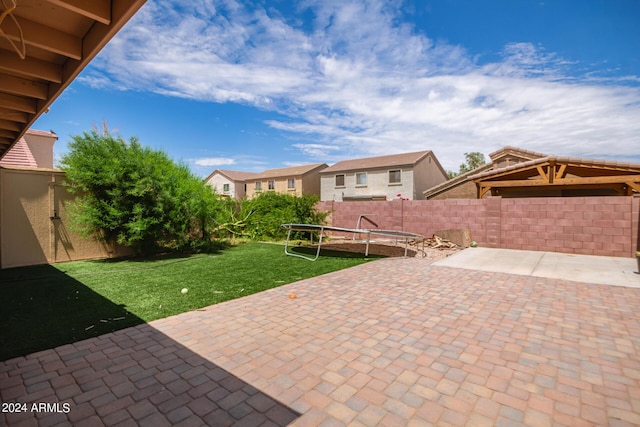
(261, 218)
(135, 196)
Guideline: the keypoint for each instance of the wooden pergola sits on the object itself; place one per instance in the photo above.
(44, 45)
(560, 176)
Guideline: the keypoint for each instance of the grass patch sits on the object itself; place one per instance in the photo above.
(50, 305)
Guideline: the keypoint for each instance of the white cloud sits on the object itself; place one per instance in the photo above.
(318, 151)
(359, 80)
(214, 161)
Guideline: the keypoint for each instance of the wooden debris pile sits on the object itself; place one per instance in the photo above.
(437, 242)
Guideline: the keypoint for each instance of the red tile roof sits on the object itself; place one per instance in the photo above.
(19, 155)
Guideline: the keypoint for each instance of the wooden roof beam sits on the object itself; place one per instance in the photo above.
(98, 10)
(43, 37)
(23, 87)
(14, 116)
(8, 134)
(30, 67)
(5, 143)
(17, 103)
(10, 125)
(619, 179)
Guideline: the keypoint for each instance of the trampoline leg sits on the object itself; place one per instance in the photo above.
(366, 251)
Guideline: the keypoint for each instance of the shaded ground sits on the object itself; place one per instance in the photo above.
(388, 249)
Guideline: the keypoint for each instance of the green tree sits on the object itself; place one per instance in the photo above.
(261, 217)
(473, 160)
(135, 196)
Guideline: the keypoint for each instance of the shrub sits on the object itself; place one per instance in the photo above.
(135, 196)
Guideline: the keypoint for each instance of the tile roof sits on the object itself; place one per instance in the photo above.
(234, 175)
(41, 133)
(515, 150)
(393, 160)
(19, 155)
(290, 171)
(455, 181)
(573, 161)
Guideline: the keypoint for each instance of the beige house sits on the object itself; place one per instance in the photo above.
(229, 183)
(34, 149)
(296, 180)
(463, 186)
(389, 177)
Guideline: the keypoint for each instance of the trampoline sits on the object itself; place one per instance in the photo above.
(404, 236)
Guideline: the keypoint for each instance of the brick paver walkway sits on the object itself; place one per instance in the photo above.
(391, 343)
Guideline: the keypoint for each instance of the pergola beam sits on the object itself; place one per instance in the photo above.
(98, 10)
(17, 103)
(30, 67)
(23, 87)
(43, 37)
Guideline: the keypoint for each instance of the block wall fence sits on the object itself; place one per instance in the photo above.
(580, 225)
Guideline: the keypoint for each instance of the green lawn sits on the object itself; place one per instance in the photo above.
(50, 305)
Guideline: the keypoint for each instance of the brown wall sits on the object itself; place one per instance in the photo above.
(29, 198)
(581, 225)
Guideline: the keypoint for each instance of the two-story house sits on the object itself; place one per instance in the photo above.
(389, 177)
(229, 183)
(295, 180)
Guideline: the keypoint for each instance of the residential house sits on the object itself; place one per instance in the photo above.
(296, 180)
(229, 183)
(463, 187)
(389, 177)
(34, 150)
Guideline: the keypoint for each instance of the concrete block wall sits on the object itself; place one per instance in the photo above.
(581, 225)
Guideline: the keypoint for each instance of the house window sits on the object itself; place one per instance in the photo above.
(291, 183)
(361, 178)
(340, 180)
(395, 177)
(272, 185)
(225, 188)
(258, 186)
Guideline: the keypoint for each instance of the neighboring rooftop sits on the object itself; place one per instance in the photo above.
(34, 150)
(290, 171)
(392, 160)
(236, 176)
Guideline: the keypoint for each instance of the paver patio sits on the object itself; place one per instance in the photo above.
(391, 343)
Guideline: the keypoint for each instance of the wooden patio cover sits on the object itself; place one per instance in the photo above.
(563, 173)
(44, 45)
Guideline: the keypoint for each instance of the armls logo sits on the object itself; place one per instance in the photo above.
(62, 408)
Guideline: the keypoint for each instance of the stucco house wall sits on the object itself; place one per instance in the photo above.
(41, 145)
(218, 181)
(377, 186)
(306, 180)
(420, 171)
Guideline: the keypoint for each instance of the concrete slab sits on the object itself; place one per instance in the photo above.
(581, 268)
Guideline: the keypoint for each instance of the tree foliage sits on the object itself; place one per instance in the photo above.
(261, 217)
(473, 160)
(136, 196)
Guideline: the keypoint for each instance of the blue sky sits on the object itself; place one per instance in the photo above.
(249, 86)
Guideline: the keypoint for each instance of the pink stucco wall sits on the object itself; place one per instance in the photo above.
(581, 225)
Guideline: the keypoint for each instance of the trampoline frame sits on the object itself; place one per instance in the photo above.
(398, 235)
